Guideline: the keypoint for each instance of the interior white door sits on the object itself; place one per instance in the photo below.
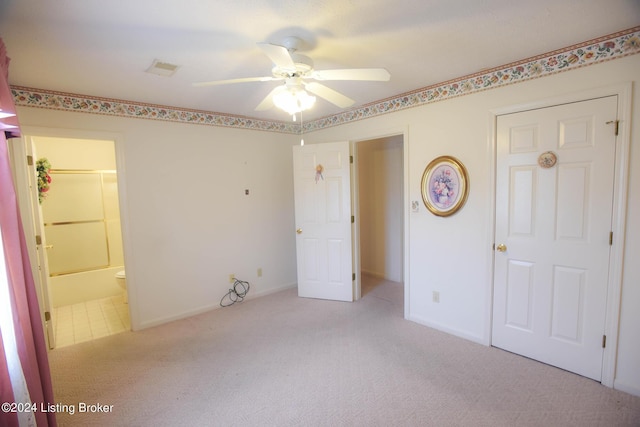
(23, 149)
(322, 189)
(553, 229)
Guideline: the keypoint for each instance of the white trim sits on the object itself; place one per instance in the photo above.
(619, 218)
(19, 149)
(355, 229)
(490, 227)
(17, 158)
(404, 131)
(407, 212)
(443, 328)
(208, 307)
(612, 321)
(563, 99)
(118, 140)
(127, 247)
(627, 388)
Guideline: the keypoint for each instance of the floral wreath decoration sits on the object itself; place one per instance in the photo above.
(44, 179)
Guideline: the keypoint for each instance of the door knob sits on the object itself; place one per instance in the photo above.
(502, 247)
(299, 231)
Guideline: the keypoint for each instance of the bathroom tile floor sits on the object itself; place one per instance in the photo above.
(89, 320)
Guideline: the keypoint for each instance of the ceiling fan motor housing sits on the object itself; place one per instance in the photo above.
(303, 66)
(294, 68)
(293, 43)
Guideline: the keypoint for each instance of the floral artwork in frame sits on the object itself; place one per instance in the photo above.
(445, 186)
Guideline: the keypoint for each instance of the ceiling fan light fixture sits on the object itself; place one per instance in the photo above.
(294, 100)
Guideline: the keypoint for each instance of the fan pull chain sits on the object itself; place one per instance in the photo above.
(301, 130)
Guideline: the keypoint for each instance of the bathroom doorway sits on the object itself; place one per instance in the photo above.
(78, 215)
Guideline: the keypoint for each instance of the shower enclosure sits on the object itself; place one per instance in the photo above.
(81, 219)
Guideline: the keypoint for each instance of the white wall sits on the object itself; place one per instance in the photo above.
(187, 223)
(380, 181)
(190, 225)
(453, 255)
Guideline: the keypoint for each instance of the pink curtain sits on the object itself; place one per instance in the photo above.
(8, 419)
(30, 340)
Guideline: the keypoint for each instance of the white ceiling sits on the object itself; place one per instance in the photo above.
(102, 48)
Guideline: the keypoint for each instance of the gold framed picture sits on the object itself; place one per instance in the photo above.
(445, 186)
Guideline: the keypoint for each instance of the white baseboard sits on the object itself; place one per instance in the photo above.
(209, 307)
(271, 291)
(380, 275)
(448, 330)
(622, 386)
(373, 273)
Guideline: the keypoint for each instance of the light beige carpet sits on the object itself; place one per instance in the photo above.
(281, 360)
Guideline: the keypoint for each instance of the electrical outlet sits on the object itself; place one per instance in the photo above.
(436, 296)
(260, 272)
(232, 278)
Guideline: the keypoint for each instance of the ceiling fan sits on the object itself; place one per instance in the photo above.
(296, 70)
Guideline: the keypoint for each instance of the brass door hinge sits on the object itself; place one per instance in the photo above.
(353, 219)
(47, 316)
(38, 239)
(30, 160)
(604, 341)
(350, 159)
(611, 238)
(616, 124)
(353, 276)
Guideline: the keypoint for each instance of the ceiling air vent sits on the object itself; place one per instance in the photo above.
(162, 68)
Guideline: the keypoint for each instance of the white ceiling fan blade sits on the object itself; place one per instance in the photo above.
(329, 94)
(267, 102)
(364, 74)
(279, 55)
(241, 80)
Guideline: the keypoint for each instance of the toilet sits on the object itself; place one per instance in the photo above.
(122, 282)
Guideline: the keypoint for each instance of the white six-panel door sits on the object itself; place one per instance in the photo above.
(31, 214)
(322, 189)
(552, 233)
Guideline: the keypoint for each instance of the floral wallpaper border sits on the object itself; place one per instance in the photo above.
(28, 97)
(614, 46)
(605, 48)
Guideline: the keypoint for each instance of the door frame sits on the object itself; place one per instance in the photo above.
(20, 148)
(621, 178)
(118, 139)
(355, 208)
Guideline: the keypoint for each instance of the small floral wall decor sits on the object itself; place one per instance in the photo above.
(319, 170)
(44, 179)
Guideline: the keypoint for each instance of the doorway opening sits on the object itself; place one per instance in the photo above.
(379, 177)
(78, 237)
